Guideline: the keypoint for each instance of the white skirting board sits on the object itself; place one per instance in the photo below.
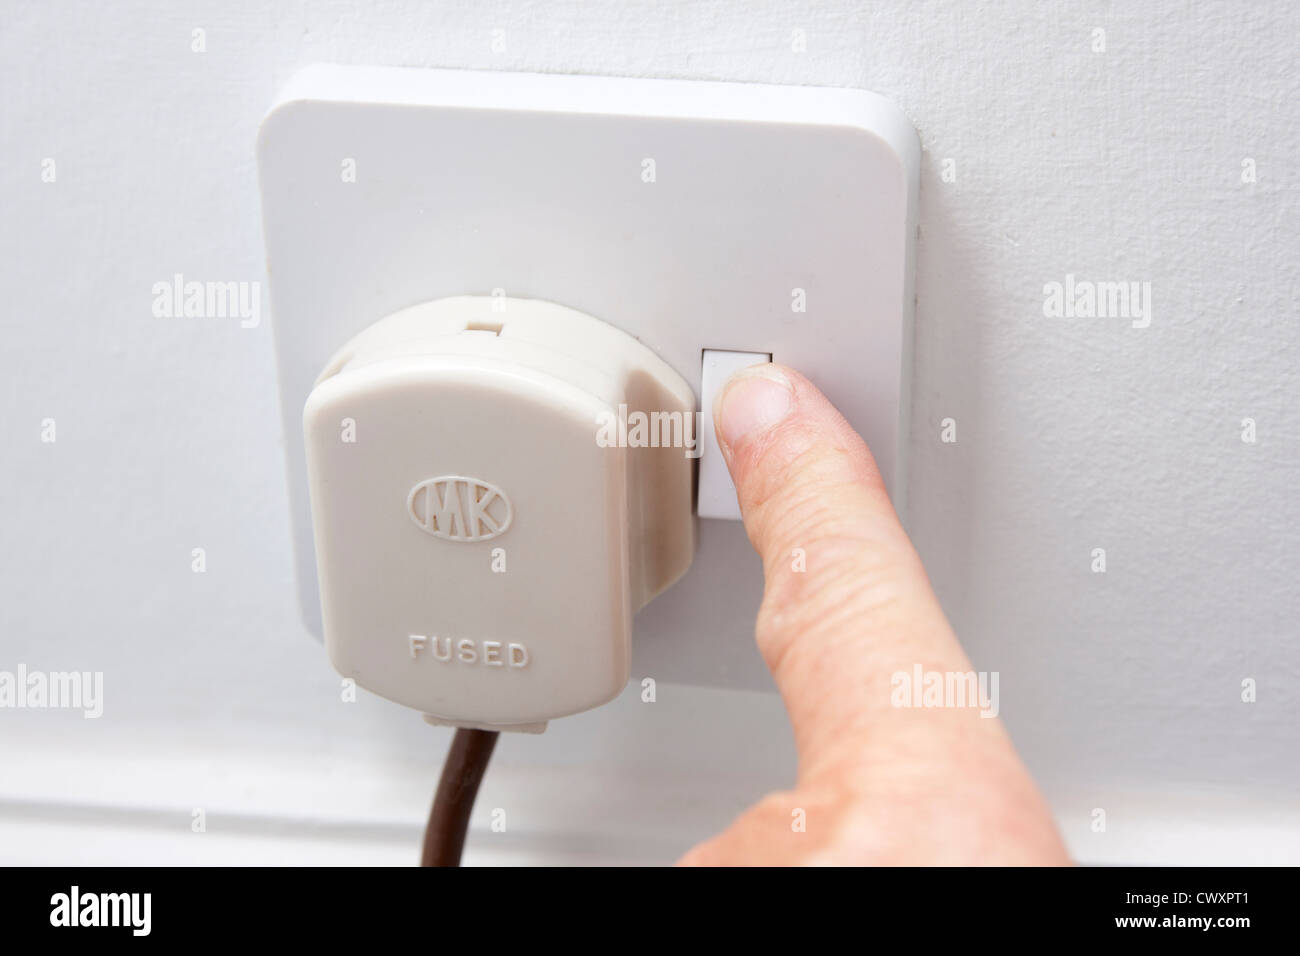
(68, 804)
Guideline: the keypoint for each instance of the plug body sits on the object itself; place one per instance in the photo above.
(484, 527)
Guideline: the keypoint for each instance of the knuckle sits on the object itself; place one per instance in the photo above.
(848, 586)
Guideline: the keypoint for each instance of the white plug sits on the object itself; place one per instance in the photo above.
(483, 535)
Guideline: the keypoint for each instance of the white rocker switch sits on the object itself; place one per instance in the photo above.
(717, 495)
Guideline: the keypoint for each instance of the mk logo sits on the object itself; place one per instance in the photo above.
(459, 508)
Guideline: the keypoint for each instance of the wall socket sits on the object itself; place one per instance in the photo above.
(693, 215)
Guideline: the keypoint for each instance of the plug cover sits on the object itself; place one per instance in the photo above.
(484, 528)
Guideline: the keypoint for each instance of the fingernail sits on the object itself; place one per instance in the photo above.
(753, 400)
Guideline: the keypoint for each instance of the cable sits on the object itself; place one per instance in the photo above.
(467, 760)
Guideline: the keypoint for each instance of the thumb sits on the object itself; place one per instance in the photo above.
(846, 603)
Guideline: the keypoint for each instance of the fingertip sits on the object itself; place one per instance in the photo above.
(775, 427)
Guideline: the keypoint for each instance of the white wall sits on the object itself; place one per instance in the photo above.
(1122, 690)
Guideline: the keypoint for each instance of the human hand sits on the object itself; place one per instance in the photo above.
(877, 784)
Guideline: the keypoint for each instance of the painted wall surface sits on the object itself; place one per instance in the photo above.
(1152, 143)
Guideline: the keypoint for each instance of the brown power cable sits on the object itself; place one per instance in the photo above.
(467, 760)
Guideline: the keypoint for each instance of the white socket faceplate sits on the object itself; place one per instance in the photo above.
(691, 215)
